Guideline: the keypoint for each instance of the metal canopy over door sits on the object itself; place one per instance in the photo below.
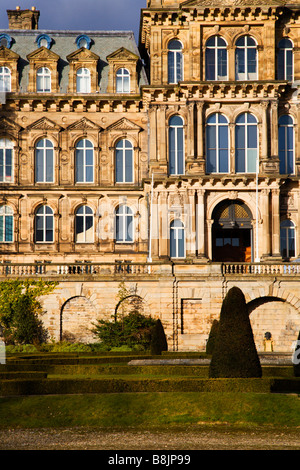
(232, 232)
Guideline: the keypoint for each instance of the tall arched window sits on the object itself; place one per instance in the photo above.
(217, 144)
(84, 225)
(216, 59)
(5, 79)
(177, 239)
(6, 224)
(6, 161)
(176, 146)
(246, 148)
(124, 161)
(246, 59)
(122, 81)
(285, 60)
(286, 144)
(43, 80)
(84, 157)
(287, 239)
(44, 161)
(175, 61)
(83, 80)
(124, 224)
(44, 225)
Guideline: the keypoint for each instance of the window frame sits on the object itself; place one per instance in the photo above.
(85, 165)
(6, 213)
(287, 151)
(175, 72)
(42, 77)
(124, 224)
(5, 79)
(87, 213)
(246, 60)
(83, 80)
(176, 135)
(218, 125)
(287, 227)
(216, 48)
(7, 145)
(44, 216)
(46, 167)
(122, 80)
(246, 149)
(177, 240)
(122, 155)
(282, 73)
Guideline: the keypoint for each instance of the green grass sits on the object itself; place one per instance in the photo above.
(149, 410)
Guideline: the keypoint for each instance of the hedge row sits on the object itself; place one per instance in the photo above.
(53, 386)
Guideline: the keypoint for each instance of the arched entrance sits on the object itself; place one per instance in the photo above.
(232, 232)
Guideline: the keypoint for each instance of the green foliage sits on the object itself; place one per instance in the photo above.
(158, 339)
(234, 353)
(132, 330)
(212, 337)
(20, 310)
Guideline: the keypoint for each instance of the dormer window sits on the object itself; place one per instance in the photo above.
(43, 80)
(123, 81)
(83, 41)
(5, 79)
(43, 40)
(5, 40)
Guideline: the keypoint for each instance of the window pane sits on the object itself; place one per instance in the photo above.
(171, 67)
(128, 166)
(119, 166)
(210, 64)
(251, 160)
(79, 165)
(222, 64)
(8, 228)
(39, 165)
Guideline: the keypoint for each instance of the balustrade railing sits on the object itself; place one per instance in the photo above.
(261, 268)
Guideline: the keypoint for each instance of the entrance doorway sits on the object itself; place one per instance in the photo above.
(232, 232)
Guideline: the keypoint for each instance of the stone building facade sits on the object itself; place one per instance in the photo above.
(172, 166)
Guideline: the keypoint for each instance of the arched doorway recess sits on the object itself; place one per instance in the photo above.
(232, 232)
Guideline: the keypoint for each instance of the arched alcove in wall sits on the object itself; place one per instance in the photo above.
(77, 315)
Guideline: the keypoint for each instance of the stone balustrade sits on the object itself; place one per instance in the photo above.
(136, 269)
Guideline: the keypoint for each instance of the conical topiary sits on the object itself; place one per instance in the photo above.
(212, 337)
(234, 353)
(158, 339)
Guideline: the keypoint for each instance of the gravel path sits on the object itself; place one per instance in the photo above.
(217, 437)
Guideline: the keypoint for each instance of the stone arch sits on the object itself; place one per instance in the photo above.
(277, 314)
(131, 300)
(76, 317)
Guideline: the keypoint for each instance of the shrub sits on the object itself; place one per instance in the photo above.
(234, 353)
(158, 339)
(212, 337)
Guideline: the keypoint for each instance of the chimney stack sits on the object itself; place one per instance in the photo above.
(23, 19)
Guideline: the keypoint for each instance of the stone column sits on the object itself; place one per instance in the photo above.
(266, 222)
(276, 223)
(200, 130)
(200, 224)
(264, 130)
(190, 224)
(191, 132)
(274, 129)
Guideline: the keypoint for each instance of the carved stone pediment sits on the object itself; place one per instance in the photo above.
(7, 54)
(44, 124)
(41, 54)
(82, 54)
(122, 54)
(83, 124)
(8, 125)
(124, 125)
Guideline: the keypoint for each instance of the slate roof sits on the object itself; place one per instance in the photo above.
(103, 44)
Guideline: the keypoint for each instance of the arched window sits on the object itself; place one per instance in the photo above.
(6, 161)
(84, 225)
(6, 224)
(124, 161)
(44, 161)
(84, 161)
(176, 146)
(246, 148)
(287, 239)
(217, 144)
(5, 79)
(246, 59)
(83, 80)
(175, 61)
(286, 144)
(285, 60)
(124, 224)
(44, 225)
(122, 81)
(216, 59)
(177, 239)
(43, 80)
